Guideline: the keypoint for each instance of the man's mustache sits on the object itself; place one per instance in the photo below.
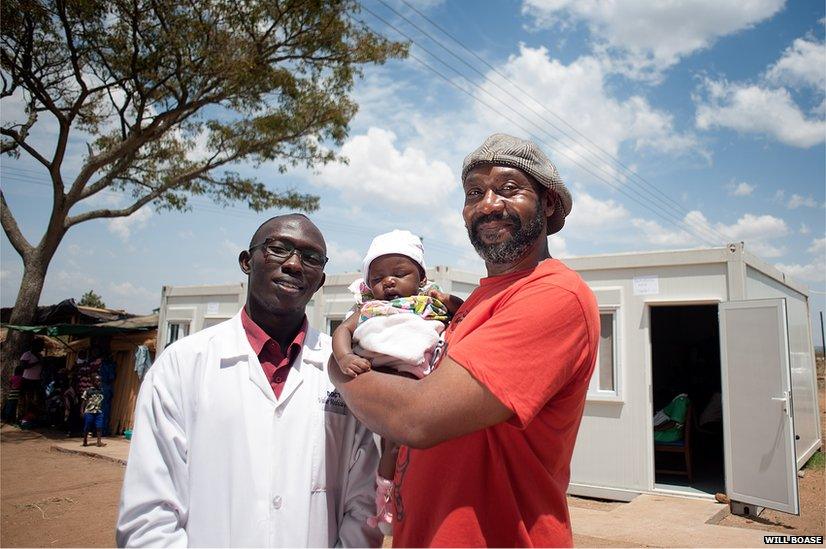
(491, 217)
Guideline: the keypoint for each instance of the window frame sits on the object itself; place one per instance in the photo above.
(330, 327)
(595, 394)
(176, 322)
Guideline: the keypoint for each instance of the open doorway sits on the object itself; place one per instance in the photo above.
(685, 353)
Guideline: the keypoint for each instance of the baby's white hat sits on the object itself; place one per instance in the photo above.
(395, 242)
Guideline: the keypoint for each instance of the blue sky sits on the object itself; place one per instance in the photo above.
(675, 124)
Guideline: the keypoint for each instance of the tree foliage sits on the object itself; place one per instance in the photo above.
(170, 97)
(91, 299)
(168, 92)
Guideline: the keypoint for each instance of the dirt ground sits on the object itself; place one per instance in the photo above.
(55, 499)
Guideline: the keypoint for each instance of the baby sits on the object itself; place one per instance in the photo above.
(396, 328)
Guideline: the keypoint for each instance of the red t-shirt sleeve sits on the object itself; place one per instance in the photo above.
(533, 343)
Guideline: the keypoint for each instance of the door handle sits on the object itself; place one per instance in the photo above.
(784, 399)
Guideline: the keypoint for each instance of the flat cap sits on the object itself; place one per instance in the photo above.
(505, 150)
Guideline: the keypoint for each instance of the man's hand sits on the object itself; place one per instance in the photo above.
(353, 365)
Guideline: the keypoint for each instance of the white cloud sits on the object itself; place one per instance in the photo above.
(123, 226)
(645, 37)
(802, 64)
(557, 246)
(810, 272)
(818, 246)
(757, 231)
(231, 248)
(379, 173)
(796, 201)
(127, 289)
(342, 257)
(591, 213)
(579, 91)
(656, 234)
(740, 189)
(748, 108)
(804, 229)
(71, 282)
(815, 270)
(453, 225)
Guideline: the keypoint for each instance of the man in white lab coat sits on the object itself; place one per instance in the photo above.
(240, 439)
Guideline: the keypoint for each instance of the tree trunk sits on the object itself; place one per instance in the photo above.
(25, 309)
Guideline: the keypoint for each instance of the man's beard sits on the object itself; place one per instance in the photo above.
(513, 248)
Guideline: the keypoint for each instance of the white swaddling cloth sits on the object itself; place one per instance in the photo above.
(404, 342)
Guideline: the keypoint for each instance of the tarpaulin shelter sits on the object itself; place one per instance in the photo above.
(69, 312)
(121, 334)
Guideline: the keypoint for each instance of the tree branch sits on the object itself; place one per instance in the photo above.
(125, 212)
(21, 141)
(18, 241)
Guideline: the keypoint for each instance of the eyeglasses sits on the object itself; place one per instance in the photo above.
(281, 251)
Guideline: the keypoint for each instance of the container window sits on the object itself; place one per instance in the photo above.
(332, 324)
(175, 331)
(604, 380)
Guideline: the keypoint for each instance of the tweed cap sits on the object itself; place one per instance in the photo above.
(505, 150)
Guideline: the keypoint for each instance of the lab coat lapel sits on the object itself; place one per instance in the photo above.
(239, 347)
(257, 377)
(311, 357)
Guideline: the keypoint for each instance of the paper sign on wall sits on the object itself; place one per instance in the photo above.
(212, 308)
(646, 285)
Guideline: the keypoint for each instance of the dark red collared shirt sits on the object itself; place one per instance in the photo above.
(274, 361)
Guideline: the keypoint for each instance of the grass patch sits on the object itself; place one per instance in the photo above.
(817, 461)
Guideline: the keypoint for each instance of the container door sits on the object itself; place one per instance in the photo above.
(761, 466)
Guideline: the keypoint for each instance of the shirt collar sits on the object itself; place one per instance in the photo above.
(258, 337)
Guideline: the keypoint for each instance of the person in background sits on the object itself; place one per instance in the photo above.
(107, 373)
(55, 405)
(72, 419)
(31, 391)
(92, 405)
(86, 368)
(13, 396)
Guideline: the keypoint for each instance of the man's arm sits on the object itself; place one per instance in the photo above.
(359, 493)
(507, 368)
(420, 413)
(155, 496)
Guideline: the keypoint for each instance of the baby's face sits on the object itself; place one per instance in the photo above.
(393, 276)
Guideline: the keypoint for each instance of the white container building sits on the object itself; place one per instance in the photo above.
(702, 322)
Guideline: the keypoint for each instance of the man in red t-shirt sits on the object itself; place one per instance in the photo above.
(488, 436)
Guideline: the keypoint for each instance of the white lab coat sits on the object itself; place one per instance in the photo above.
(217, 460)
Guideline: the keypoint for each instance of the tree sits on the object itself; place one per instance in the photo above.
(168, 97)
(91, 299)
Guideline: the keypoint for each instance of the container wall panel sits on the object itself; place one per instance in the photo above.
(804, 383)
